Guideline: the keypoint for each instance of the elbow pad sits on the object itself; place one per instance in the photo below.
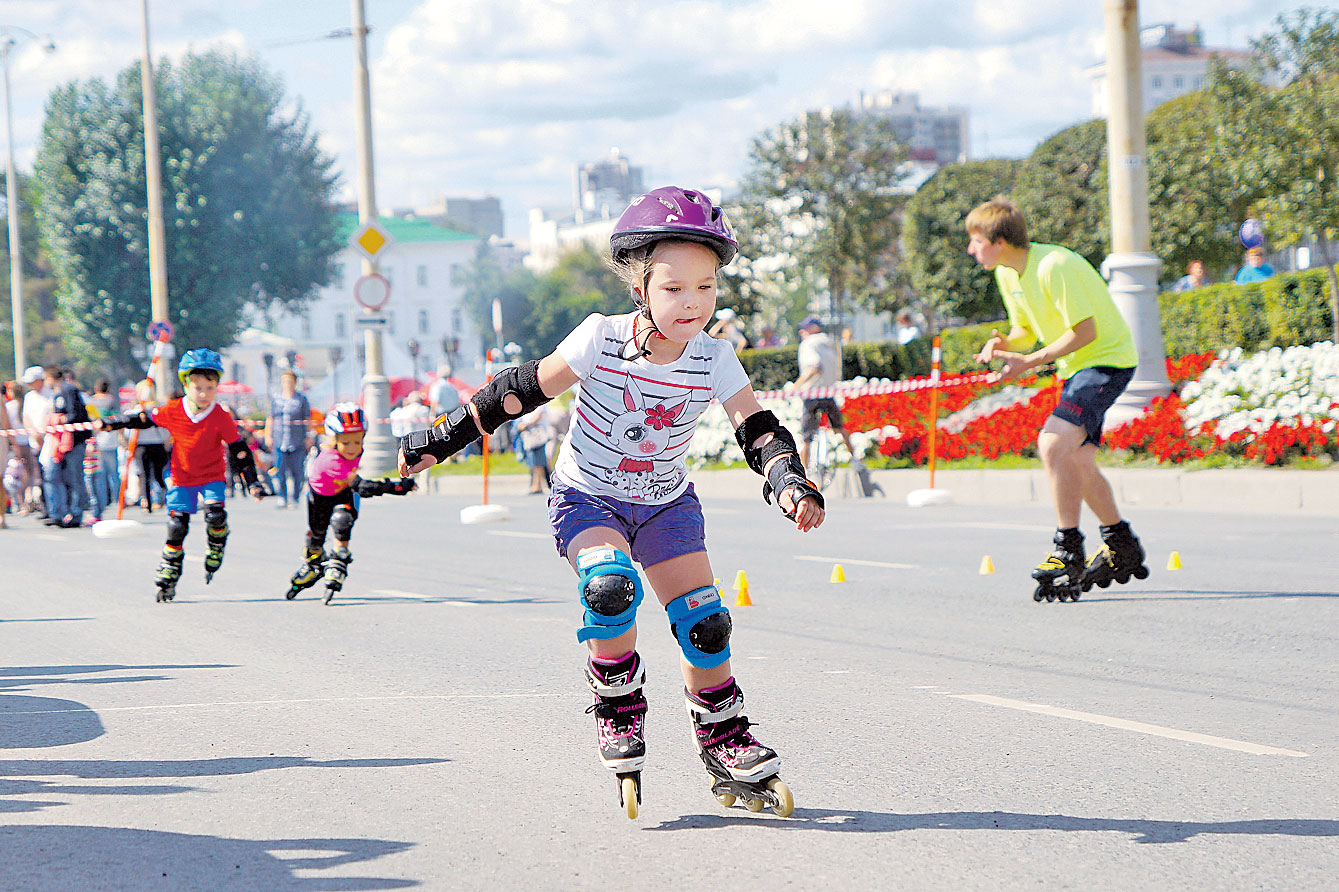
(242, 462)
(755, 426)
(448, 435)
(519, 381)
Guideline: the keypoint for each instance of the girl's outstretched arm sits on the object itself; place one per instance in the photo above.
(770, 450)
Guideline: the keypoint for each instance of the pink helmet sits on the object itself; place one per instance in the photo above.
(671, 212)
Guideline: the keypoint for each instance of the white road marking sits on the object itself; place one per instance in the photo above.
(397, 593)
(289, 702)
(836, 671)
(1127, 725)
(837, 560)
(516, 534)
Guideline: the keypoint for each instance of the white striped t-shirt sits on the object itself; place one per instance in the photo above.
(632, 421)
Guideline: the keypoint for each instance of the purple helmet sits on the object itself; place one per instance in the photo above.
(671, 212)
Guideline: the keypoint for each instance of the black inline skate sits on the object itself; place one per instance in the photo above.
(169, 571)
(1120, 557)
(620, 710)
(740, 767)
(1060, 575)
(216, 540)
(308, 574)
(336, 571)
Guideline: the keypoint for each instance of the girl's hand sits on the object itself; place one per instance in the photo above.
(808, 514)
(408, 471)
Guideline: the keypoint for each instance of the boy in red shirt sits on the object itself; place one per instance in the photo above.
(203, 432)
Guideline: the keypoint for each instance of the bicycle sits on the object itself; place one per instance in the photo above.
(823, 458)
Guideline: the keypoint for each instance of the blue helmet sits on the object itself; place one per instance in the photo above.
(201, 359)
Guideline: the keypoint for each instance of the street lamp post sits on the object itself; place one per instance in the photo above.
(153, 178)
(10, 36)
(1131, 268)
(336, 354)
(414, 348)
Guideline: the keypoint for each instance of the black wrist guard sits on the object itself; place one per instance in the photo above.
(138, 421)
(243, 463)
(755, 426)
(370, 488)
(448, 435)
(788, 473)
(519, 381)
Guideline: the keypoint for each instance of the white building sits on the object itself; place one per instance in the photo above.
(1174, 63)
(426, 265)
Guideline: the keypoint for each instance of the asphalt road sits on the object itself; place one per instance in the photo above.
(938, 728)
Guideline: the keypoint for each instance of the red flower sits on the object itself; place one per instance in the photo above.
(659, 417)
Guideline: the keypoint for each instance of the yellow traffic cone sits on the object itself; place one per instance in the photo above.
(987, 566)
(1174, 561)
(838, 574)
(742, 598)
(741, 581)
(717, 583)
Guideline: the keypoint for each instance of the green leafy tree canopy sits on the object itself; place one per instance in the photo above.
(247, 202)
(944, 276)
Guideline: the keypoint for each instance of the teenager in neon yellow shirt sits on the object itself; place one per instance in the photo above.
(1054, 296)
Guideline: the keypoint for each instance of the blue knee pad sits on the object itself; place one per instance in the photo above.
(610, 590)
(702, 624)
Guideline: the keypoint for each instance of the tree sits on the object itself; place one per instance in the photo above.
(38, 291)
(1300, 148)
(822, 189)
(247, 200)
(1062, 190)
(1195, 200)
(941, 272)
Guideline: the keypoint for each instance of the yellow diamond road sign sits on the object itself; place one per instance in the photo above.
(370, 240)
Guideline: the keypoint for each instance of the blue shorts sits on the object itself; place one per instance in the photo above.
(186, 499)
(655, 533)
(1088, 394)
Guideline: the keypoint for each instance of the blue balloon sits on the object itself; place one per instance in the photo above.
(1252, 234)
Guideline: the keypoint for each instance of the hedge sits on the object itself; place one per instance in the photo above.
(1285, 309)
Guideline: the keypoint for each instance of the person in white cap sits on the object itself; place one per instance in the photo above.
(36, 409)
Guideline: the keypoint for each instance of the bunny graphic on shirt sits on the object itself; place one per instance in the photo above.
(640, 433)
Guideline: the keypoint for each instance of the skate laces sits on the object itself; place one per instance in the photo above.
(619, 716)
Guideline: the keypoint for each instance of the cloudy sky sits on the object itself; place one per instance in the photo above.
(503, 97)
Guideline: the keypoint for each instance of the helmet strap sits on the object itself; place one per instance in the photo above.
(642, 349)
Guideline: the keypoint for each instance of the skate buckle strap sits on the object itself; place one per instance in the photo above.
(604, 688)
(705, 713)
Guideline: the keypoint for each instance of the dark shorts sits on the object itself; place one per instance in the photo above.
(655, 532)
(1088, 394)
(812, 409)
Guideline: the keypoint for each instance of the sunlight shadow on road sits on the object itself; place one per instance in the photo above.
(129, 858)
(1142, 831)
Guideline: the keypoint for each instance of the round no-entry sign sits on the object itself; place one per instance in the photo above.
(372, 291)
(160, 331)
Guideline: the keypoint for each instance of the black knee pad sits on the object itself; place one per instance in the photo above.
(711, 635)
(216, 517)
(341, 523)
(178, 525)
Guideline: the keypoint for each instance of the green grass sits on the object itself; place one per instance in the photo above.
(498, 463)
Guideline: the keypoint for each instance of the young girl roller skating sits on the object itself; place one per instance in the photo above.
(621, 492)
(332, 501)
(202, 434)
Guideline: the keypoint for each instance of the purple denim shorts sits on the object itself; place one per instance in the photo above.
(655, 532)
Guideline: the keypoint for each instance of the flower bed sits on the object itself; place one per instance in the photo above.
(1271, 407)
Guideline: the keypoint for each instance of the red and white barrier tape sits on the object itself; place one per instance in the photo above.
(901, 386)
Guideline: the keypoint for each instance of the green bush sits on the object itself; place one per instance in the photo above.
(1286, 309)
(958, 346)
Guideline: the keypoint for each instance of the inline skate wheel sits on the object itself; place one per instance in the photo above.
(329, 595)
(291, 594)
(1141, 572)
(628, 790)
(754, 805)
(1050, 596)
(785, 801)
(726, 799)
(1039, 593)
(158, 598)
(1104, 582)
